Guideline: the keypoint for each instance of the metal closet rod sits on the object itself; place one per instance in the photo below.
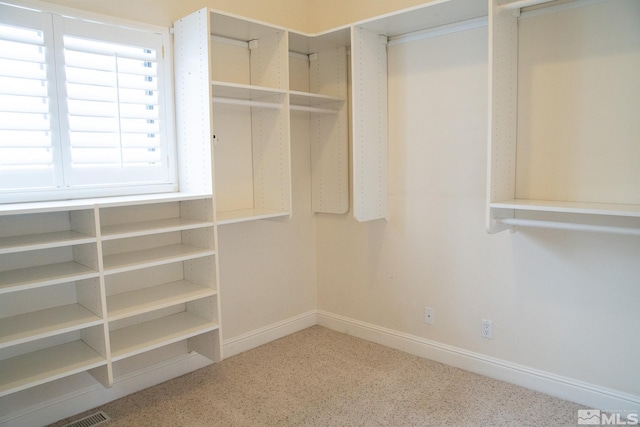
(246, 102)
(518, 222)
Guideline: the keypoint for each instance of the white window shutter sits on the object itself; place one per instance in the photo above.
(29, 141)
(114, 111)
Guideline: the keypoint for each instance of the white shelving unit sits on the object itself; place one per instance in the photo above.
(235, 73)
(87, 286)
(318, 86)
(565, 162)
(369, 91)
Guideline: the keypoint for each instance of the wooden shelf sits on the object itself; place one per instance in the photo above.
(243, 91)
(570, 207)
(144, 300)
(44, 275)
(315, 103)
(127, 261)
(120, 231)
(157, 333)
(31, 242)
(44, 323)
(242, 215)
(39, 367)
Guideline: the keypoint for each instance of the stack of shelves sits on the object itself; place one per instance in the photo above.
(51, 321)
(85, 287)
(242, 67)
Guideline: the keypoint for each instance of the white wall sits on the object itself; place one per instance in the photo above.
(562, 302)
(286, 13)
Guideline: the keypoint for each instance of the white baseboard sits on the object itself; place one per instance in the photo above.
(590, 395)
(268, 333)
(88, 397)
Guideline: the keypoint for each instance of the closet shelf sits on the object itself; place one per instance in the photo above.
(44, 275)
(151, 227)
(45, 323)
(132, 303)
(243, 91)
(609, 209)
(39, 367)
(31, 242)
(315, 103)
(133, 340)
(519, 4)
(128, 261)
(242, 215)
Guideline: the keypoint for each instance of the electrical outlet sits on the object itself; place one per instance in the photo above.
(429, 316)
(487, 329)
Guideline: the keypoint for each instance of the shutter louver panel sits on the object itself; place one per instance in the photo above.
(26, 142)
(113, 104)
(84, 108)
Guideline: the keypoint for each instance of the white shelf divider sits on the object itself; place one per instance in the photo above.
(45, 323)
(44, 275)
(127, 261)
(141, 301)
(39, 367)
(151, 227)
(133, 340)
(31, 242)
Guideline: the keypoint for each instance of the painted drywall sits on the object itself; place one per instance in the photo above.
(562, 302)
(287, 13)
(328, 14)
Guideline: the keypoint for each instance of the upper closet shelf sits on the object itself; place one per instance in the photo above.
(251, 214)
(570, 207)
(519, 4)
(247, 95)
(425, 16)
(315, 103)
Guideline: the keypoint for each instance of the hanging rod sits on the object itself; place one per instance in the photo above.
(629, 231)
(312, 109)
(246, 102)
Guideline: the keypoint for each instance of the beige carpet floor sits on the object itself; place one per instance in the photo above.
(319, 377)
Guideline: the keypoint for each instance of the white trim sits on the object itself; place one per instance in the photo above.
(557, 8)
(584, 393)
(442, 30)
(269, 333)
(86, 398)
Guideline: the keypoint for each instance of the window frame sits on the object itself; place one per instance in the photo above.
(165, 87)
